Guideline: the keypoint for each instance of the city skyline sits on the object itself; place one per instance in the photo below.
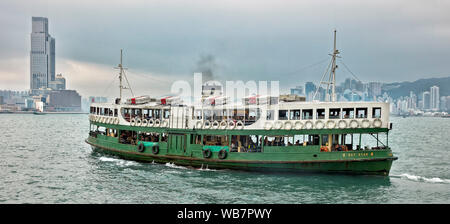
(278, 41)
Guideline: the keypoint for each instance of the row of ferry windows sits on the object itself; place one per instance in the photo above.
(333, 113)
(103, 111)
(145, 113)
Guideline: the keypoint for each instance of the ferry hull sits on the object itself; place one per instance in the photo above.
(370, 166)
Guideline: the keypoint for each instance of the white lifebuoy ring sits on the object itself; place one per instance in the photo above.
(207, 124)
(223, 125)
(116, 120)
(138, 122)
(268, 125)
(298, 125)
(150, 123)
(133, 122)
(331, 124)
(144, 122)
(278, 125)
(287, 125)
(354, 124)
(215, 125)
(308, 124)
(199, 125)
(319, 124)
(342, 124)
(365, 123)
(110, 120)
(157, 123)
(164, 124)
(231, 125)
(377, 123)
(239, 124)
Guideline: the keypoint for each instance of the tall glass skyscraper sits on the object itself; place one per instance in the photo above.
(42, 55)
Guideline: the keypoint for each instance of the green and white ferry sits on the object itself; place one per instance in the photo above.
(263, 133)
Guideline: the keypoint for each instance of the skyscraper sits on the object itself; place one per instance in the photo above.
(42, 54)
(434, 98)
(426, 100)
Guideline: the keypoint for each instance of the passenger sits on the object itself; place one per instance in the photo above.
(297, 142)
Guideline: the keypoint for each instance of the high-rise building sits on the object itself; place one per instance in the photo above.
(42, 55)
(434, 98)
(426, 100)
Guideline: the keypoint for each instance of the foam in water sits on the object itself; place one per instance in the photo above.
(172, 165)
(424, 179)
(119, 162)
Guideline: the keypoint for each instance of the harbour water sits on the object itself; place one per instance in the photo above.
(44, 159)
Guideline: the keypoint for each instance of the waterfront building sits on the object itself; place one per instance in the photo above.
(434, 98)
(42, 55)
(426, 100)
(298, 90)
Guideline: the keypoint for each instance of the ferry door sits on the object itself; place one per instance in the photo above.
(178, 143)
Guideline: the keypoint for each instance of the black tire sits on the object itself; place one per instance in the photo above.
(222, 154)
(155, 149)
(207, 153)
(141, 147)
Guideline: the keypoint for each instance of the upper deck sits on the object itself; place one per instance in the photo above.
(279, 116)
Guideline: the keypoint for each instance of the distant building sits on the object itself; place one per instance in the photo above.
(426, 100)
(374, 89)
(42, 55)
(434, 98)
(1, 100)
(298, 90)
(59, 83)
(64, 100)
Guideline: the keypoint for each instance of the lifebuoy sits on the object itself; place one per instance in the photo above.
(155, 149)
(157, 123)
(207, 153)
(141, 147)
(207, 124)
(354, 124)
(342, 124)
(223, 125)
(331, 124)
(138, 122)
(222, 154)
(288, 125)
(365, 123)
(144, 122)
(320, 125)
(164, 124)
(308, 124)
(278, 125)
(239, 124)
(132, 122)
(298, 125)
(151, 122)
(215, 125)
(231, 125)
(116, 120)
(377, 123)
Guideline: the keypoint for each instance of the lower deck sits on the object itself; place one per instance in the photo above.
(269, 152)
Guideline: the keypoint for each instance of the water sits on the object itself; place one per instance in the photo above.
(44, 159)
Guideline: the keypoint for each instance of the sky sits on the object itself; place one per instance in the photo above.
(286, 41)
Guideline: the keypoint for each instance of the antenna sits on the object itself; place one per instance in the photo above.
(332, 77)
(121, 75)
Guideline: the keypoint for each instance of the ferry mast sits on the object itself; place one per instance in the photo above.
(121, 75)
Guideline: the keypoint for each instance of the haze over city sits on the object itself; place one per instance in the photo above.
(289, 41)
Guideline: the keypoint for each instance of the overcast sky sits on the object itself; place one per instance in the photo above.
(289, 41)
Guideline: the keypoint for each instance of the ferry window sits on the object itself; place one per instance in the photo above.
(97, 110)
(197, 114)
(348, 112)
(111, 113)
(217, 115)
(219, 140)
(150, 113)
(157, 113)
(166, 114)
(376, 112)
(164, 137)
(270, 115)
(335, 113)
(313, 140)
(115, 112)
(282, 115)
(295, 115)
(361, 112)
(196, 139)
(246, 143)
(307, 114)
(207, 114)
(253, 114)
(320, 113)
